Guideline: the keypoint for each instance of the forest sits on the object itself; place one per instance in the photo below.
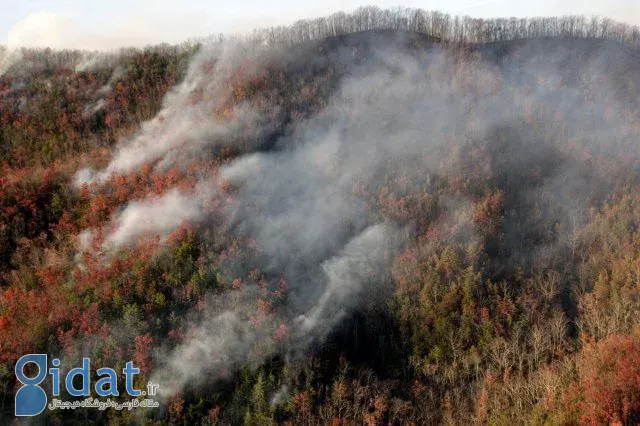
(377, 217)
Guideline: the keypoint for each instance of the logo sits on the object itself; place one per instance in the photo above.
(31, 399)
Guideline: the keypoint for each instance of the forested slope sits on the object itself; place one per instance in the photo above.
(387, 217)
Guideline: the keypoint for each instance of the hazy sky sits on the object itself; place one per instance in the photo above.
(104, 24)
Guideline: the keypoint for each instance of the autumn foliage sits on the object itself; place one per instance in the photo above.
(498, 315)
(608, 388)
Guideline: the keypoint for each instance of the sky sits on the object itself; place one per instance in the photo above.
(109, 24)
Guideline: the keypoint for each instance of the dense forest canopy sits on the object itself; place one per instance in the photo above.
(382, 217)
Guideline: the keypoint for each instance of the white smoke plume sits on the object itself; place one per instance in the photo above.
(152, 217)
(157, 216)
(362, 262)
(189, 119)
(225, 340)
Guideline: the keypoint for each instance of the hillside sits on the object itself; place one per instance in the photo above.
(388, 217)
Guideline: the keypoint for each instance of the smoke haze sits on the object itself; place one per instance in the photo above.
(419, 116)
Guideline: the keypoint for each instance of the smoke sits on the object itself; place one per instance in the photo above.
(155, 216)
(195, 114)
(90, 62)
(8, 57)
(318, 197)
(363, 261)
(39, 29)
(225, 341)
(219, 345)
(152, 217)
(299, 202)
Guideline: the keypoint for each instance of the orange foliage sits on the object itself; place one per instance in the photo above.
(609, 381)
